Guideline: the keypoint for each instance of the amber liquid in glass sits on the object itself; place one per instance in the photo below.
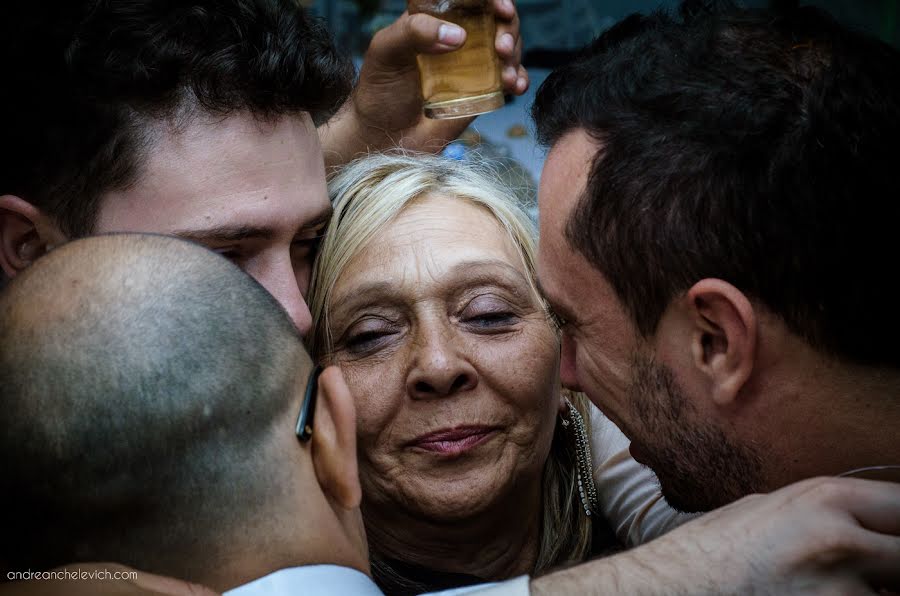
(467, 81)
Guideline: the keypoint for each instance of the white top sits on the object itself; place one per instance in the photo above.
(310, 580)
(333, 580)
(518, 586)
(628, 492)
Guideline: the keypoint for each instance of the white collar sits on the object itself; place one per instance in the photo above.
(310, 580)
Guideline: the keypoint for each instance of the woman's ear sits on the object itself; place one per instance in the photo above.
(26, 234)
(723, 336)
(334, 441)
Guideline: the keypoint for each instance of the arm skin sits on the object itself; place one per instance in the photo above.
(819, 536)
(385, 108)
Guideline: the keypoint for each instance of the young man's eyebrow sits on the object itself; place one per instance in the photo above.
(234, 233)
(226, 233)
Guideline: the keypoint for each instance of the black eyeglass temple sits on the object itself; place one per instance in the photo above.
(308, 409)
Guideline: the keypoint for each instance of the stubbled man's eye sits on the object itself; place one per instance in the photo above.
(558, 320)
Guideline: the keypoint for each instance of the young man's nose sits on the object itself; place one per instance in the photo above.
(283, 286)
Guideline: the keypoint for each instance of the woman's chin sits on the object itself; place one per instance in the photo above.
(452, 497)
(487, 474)
(460, 501)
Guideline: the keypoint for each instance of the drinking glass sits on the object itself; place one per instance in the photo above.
(465, 82)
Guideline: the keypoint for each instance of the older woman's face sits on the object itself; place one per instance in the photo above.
(452, 360)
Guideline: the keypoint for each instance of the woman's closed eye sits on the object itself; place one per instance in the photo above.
(489, 313)
(368, 335)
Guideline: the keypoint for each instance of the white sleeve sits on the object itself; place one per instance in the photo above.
(518, 586)
(628, 493)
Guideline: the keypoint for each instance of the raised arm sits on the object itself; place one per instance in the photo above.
(385, 109)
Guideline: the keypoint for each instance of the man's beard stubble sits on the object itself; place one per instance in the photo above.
(699, 467)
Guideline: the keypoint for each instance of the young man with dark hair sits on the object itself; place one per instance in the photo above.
(199, 119)
(717, 213)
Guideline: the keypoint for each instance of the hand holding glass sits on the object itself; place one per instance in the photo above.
(465, 82)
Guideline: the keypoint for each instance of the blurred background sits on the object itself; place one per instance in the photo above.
(568, 24)
(552, 29)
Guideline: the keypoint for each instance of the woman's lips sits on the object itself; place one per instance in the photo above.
(454, 441)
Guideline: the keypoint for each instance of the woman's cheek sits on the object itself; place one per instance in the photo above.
(376, 402)
(525, 369)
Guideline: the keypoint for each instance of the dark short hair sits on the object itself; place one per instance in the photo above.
(747, 145)
(82, 80)
(138, 418)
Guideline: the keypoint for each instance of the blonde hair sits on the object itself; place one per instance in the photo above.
(367, 195)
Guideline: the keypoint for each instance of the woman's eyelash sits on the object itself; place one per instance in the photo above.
(491, 320)
(364, 337)
(492, 316)
(368, 339)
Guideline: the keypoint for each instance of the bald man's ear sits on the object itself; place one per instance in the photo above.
(723, 337)
(25, 234)
(334, 441)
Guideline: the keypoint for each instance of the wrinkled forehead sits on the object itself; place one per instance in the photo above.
(437, 232)
(434, 238)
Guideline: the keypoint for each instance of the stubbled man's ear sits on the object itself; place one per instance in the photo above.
(724, 338)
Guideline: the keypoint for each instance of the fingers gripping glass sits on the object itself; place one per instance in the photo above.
(308, 408)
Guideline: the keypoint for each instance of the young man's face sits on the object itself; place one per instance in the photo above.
(637, 385)
(251, 190)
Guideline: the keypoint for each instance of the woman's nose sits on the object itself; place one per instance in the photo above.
(440, 371)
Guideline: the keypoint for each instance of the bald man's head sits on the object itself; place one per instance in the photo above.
(142, 379)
